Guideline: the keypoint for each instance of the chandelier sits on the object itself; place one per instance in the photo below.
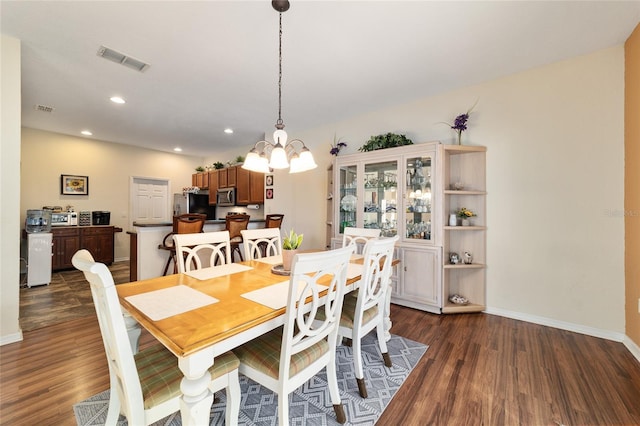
(279, 154)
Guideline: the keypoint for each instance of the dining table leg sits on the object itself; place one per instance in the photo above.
(133, 330)
(196, 400)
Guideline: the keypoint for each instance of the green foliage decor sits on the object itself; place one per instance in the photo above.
(292, 241)
(389, 140)
(218, 165)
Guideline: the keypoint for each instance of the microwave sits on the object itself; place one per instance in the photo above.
(64, 219)
(226, 197)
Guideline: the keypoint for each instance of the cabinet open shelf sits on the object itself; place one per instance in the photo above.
(463, 192)
(452, 308)
(464, 266)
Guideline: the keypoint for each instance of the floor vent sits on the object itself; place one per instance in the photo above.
(122, 59)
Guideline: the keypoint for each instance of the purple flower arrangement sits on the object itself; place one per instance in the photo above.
(460, 123)
(337, 146)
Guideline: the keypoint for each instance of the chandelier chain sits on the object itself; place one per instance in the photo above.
(280, 73)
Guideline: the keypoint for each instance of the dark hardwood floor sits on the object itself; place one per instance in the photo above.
(479, 369)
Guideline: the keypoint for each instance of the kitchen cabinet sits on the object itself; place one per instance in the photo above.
(213, 187)
(67, 240)
(407, 191)
(249, 187)
(200, 179)
(227, 177)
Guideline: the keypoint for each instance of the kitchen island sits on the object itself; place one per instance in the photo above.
(146, 259)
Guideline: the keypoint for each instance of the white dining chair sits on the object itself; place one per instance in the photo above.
(285, 358)
(195, 251)
(262, 242)
(358, 237)
(145, 387)
(364, 308)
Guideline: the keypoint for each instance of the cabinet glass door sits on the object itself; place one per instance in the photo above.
(380, 197)
(418, 200)
(347, 185)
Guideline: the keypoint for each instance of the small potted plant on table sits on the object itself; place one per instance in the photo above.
(290, 245)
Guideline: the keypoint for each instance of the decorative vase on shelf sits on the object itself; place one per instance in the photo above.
(466, 222)
(453, 219)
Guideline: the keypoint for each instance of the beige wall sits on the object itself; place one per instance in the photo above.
(555, 182)
(110, 166)
(632, 186)
(9, 188)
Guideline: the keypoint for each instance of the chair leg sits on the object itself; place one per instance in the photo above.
(166, 266)
(383, 345)
(283, 409)
(334, 392)
(357, 362)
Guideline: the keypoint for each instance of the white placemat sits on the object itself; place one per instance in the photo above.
(271, 260)
(217, 271)
(274, 296)
(353, 270)
(165, 303)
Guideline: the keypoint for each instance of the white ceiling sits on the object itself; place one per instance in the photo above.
(214, 64)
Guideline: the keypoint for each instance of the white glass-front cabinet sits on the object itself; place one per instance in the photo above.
(406, 191)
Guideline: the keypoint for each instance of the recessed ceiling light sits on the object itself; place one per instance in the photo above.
(228, 131)
(86, 133)
(117, 100)
(177, 149)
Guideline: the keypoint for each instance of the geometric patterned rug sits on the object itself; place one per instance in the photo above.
(310, 404)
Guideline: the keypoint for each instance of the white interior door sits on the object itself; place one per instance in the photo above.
(150, 201)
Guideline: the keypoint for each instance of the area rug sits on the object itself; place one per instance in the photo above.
(310, 404)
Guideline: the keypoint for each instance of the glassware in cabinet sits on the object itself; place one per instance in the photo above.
(418, 197)
(381, 196)
(348, 187)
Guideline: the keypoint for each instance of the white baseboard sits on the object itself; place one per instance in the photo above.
(121, 259)
(633, 347)
(577, 328)
(11, 338)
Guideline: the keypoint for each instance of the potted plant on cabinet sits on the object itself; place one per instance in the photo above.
(290, 245)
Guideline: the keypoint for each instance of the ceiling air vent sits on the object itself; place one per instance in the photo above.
(122, 59)
(43, 108)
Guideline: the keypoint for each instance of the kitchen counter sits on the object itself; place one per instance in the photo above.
(147, 259)
(208, 222)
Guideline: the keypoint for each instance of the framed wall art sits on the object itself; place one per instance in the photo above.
(269, 180)
(268, 193)
(74, 185)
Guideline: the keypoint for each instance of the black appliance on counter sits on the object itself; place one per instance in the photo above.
(100, 217)
(193, 203)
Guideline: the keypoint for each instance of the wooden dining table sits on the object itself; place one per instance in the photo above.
(198, 335)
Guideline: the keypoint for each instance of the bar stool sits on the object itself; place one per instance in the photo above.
(234, 223)
(273, 221)
(270, 221)
(190, 223)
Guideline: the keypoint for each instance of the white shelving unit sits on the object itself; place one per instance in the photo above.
(464, 165)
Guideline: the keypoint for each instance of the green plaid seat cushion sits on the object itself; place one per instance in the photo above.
(263, 354)
(160, 376)
(349, 311)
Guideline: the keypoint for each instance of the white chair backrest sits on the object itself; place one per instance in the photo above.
(300, 330)
(376, 274)
(254, 239)
(195, 251)
(122, 367)
(358, 237)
